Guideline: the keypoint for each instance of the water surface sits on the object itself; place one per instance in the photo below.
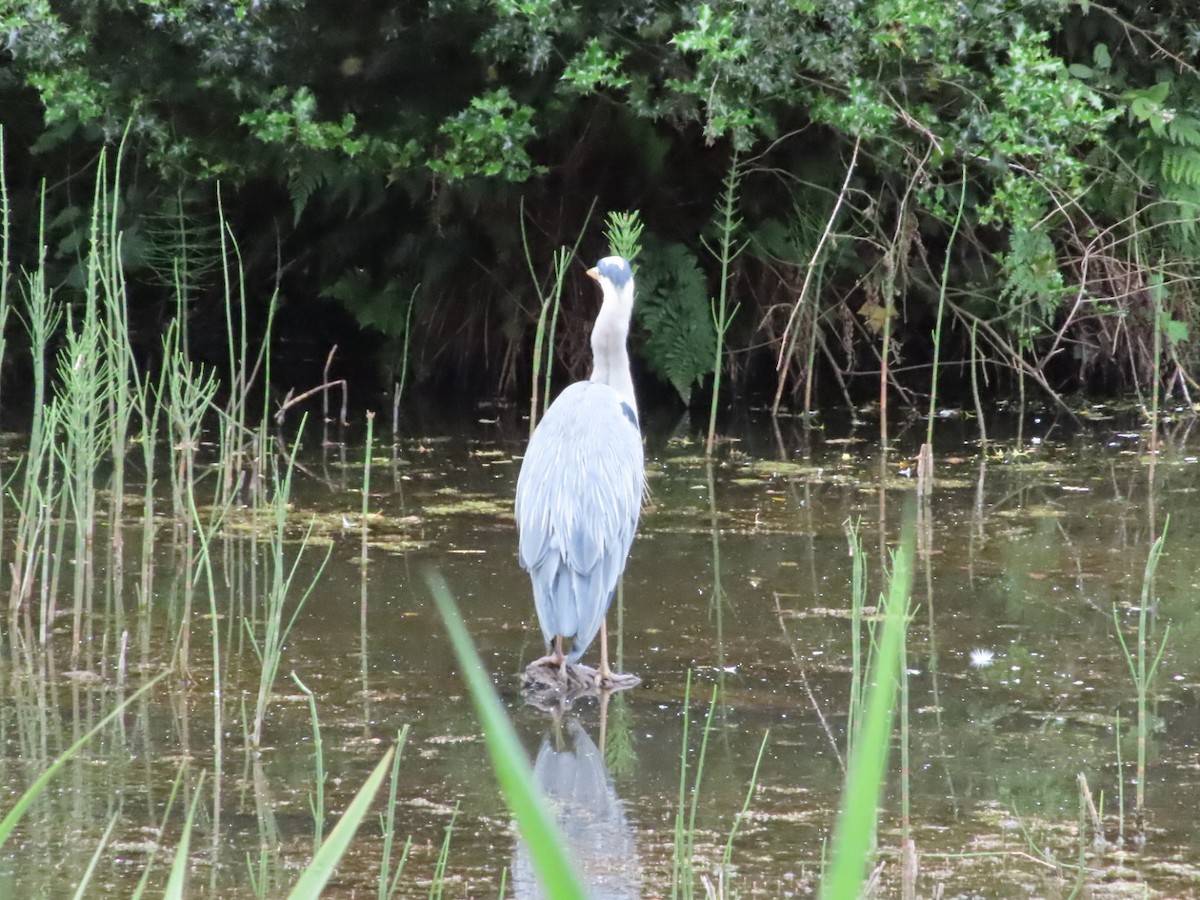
(741, 576)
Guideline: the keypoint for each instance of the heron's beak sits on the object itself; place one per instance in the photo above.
(593, 273)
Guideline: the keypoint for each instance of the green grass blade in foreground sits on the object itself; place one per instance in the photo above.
(854, 833)
(178, 880)
(313, 879)
(546, 847)
(81, 888)
(10, 821)
(148, 865)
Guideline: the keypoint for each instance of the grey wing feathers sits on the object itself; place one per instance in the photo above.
(579, 496)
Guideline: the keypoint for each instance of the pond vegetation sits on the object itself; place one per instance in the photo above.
(226, 672)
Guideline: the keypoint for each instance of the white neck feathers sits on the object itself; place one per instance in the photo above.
(610, 358)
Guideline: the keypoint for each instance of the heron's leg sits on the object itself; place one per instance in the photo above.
(555, 658)
(606, 674)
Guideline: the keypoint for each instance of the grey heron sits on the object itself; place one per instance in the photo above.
(580, 490)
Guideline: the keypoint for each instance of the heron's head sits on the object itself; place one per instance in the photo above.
(614, 270)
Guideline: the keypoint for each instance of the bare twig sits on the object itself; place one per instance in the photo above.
(787, 341)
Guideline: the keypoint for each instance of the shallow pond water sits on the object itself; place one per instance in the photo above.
(1018, 685)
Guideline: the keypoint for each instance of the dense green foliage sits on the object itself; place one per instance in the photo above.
(375, 155)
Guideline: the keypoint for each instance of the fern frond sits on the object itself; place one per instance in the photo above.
(1181, 165)
(306, 181)
(673, 307)
(1184, 130)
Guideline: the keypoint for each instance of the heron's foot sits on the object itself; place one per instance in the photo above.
(617, 681)
(547, 672)
(550, 659)
(548, 676)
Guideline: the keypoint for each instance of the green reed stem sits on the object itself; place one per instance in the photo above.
(119, 367)
(854, 832)
(412, 304)
(148, 866)
(317, 801)
(366, 486)
(439, 872)
(42, 318)
(1156, 296)
(727, 250)
(858, 600)
(205, 533)
(682, 879)
(1120, 785)
(86, 878)
(1141, 668)
(941, 312)
(548, 308)
(678, 859)
(389, 882)
(727, 856)
(695, 804)
(176, 888)
(270, 648)
(976, 363)
(190, 392)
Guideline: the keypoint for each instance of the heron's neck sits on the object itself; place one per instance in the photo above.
(610, 359)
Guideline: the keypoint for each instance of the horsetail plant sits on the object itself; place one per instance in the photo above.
(1141, 668)
(269, 648)
(726, 251)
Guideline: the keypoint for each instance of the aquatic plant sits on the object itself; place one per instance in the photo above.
(555, 870)
(858, 811)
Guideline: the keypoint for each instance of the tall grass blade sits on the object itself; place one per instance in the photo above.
(178, 880)
(389, 882)
(856, 822)
(9, 822)
(81, 888)
(513, 771)
(727, 857)
(314, 878)
(170, 805)
(439, 873)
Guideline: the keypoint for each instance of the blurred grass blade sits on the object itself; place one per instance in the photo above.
(854, 834)
(148, 865)
(178, 880)
(81, 888)
(546, 847)
(313, 879)
(9, 822)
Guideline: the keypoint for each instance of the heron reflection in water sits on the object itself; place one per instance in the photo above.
(579, 496)
(573, 777)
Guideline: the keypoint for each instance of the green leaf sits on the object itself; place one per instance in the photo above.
(1176, 331)
(1078, 70)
